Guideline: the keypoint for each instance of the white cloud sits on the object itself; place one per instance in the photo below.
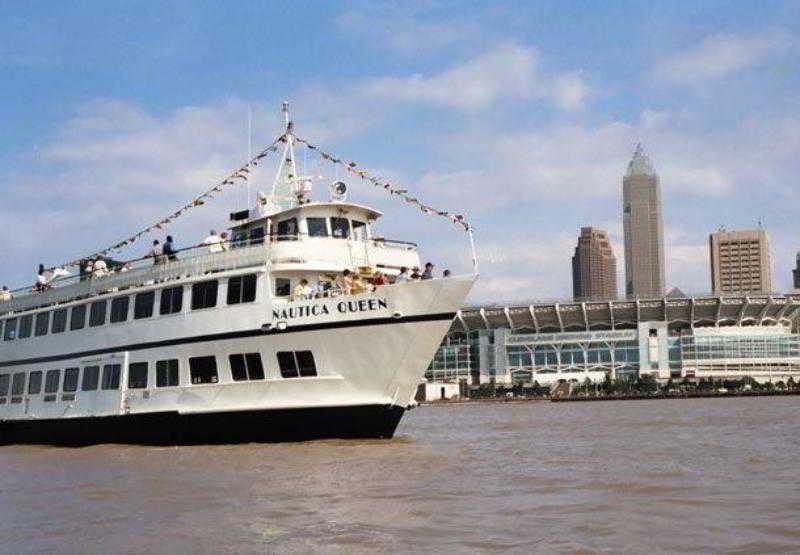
(720, 55)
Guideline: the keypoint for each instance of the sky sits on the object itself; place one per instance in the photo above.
(520, 115)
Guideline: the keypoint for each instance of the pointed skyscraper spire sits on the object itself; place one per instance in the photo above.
(640, 164)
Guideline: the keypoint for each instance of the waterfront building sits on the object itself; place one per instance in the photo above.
(696, 337)
(644, 228)
(740, 261)
(594, 267)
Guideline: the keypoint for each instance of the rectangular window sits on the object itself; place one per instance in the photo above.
(203, 370)
(5, 380)
(283, 287)
(35, 383)
(59, 320)
(287, 364)
(110, 376)
(18, 384)
(256, 236)
(42, 324)
(91, 378)
(204, 294)
(137, 375)
(340, 228)
(70, 380)
(246, 367)
(51, 381)
(97, 314)
(25, 326)
(10, 332)
(119, 309)
(287, 230)
(294, 364)
(359, 231)
(143, 305)
(171, 300)
(305, 363)
(167, 373)
(242, 289)
(78, 318)
(317, 227)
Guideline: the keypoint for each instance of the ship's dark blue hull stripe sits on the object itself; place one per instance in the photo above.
(172, 428)
(232, 335)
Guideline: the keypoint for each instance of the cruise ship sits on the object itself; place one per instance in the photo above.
(214, 345)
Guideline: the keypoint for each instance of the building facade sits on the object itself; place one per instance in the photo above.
(796, 273)
(644, 229)
(669, 338)
(594, 267)
(740, 261)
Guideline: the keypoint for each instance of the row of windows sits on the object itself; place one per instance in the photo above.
(241, 289)
(340, 228)
(202, 370)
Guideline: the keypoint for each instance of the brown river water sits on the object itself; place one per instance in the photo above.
(703, 475)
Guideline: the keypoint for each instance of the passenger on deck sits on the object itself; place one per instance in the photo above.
(88, 271)
(446, 274)
(214, 242)
(403, 276)
(157, 252)
(225, 244)
(99, 268)
(344, 283)
(428, 273)
(302, 291)
(415, 275)
(5, 294)
(169, 249)
(42, 280)
(378, 279)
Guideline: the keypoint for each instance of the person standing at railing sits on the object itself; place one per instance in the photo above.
(344, 283)
(157, 252)
(5, 294)
(214, 242)
(428, 273)
(99, 269)
(403, 276)
(225, 244)
(169, 249)
(42, 280)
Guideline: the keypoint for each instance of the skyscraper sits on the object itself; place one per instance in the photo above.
(644, 228)
(796, 273)
(740, 262)
(594, 267)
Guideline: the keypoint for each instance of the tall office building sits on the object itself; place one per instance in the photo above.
(740, 262)
(594, 267)
(644, 228)
(796, 273)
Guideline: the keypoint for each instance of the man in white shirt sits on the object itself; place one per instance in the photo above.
(403, 276)
(100, 269)
(5, 294)
(214, 242)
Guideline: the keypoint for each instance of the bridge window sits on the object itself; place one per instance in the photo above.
(78, 317)
(246, 367)
(71, 380)
(171, 301)
(5, 380)
(51, 381)
(35, 383)
(42, 324)
(110, 376)
(256, 235)
(25, 326)
(59, 320)
(10, 332)
(137, 375)
(91, 378)
(317, 227)
(97, 314)
(359, 231)
(295, 364)
(18, 384)
(167, 373)
(242, 289)
(119, 309)
(203, 370)
(204, 294)
(287, 230)
(340, 228)
(143, 305)
(283, 287)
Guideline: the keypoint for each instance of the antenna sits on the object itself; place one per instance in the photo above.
(249, 148)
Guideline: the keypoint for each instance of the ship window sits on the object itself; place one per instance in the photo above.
(256, 235)
(59, 320)
(91, 377)
(42, 323)
(97, 314)
(4, 382)
(294, 364)
(171, 300)
(242, 289)
(137, 375)
(283, 287)
(35, 383)
(110, 376)
(246, 367)
(287, 230)
(340, 228)
(11, 330)
(18, 384)
(143, 305)
(78, 317)
(359, 231)
(239, 239)
(51, 381)
(204, 294)
(70, 380)
(203, 370)
(119, 309)
(317, 227)
(167, 373)
(25, 325)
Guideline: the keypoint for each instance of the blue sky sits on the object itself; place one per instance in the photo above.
(521, 115)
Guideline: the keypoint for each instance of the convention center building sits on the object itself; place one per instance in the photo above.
(721, 337)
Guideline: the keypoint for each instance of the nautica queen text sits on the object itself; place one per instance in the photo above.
(343, 307)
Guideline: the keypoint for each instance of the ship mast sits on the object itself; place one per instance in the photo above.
(288, 189)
